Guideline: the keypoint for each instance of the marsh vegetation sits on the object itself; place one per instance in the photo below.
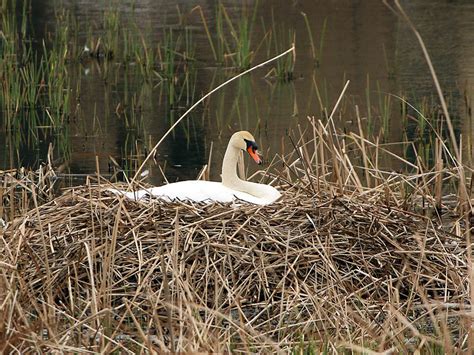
(368, 250)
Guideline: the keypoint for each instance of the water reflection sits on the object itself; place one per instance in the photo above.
(117, 111)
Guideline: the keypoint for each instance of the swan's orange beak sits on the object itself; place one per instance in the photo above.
(253, 153)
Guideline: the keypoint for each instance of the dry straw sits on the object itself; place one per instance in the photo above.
(322, 268)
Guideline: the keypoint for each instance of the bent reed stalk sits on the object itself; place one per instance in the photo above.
(198, 102)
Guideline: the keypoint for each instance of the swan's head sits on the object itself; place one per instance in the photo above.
(245, 141)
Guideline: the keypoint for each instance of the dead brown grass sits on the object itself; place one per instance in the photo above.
(332, 265)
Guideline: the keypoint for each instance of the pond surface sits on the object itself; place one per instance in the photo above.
(117, 113)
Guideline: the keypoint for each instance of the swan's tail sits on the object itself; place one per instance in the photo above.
(132, 195)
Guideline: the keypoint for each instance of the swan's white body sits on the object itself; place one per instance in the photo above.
(230, 189)
(201, 191)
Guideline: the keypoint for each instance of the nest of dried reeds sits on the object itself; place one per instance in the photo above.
(120, 274)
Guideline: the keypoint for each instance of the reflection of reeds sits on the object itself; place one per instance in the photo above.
(385, 106)
(177, 66)
(368, 103)
(168, 61)
(133, 150)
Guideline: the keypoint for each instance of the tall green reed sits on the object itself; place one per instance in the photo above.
(280, 39)
(233, 40)
(316, 53)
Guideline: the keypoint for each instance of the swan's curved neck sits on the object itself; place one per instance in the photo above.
(229, 168)
(230, 178)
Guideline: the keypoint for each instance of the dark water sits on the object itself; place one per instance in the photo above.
(364, 42)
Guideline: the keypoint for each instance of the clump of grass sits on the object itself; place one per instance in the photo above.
(242, 55)
(63, 32)
(233, 42)
(111, 28)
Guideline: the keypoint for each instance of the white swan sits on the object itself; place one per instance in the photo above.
(231, 188)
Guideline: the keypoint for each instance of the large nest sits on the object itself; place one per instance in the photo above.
(182, 276)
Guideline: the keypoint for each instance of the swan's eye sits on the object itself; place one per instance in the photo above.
(251, 144)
